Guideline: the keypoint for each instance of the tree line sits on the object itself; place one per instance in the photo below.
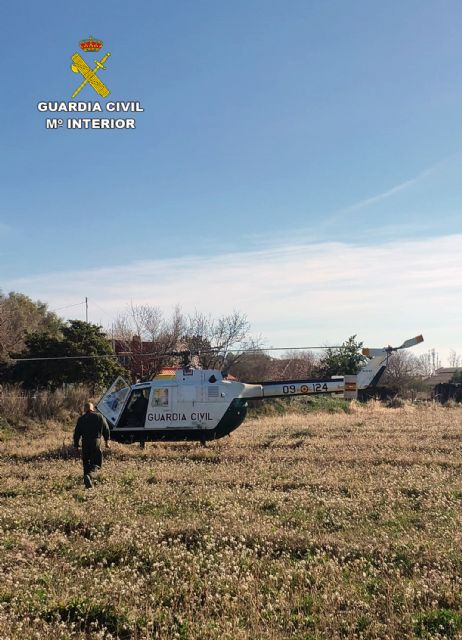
(38, 349)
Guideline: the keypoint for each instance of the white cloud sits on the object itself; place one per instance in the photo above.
(386, 194)
(293, 294)
(399, 187)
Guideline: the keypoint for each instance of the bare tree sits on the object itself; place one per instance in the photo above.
(425, 365)
(429, 363)
(220, 340)
(454, 359)
(404, 372)
(147, 338)
(294, 365)
(253, 366)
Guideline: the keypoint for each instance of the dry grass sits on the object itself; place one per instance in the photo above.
(17, 406)
(302, 527)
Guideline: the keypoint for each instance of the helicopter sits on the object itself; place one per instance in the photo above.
(189, 403)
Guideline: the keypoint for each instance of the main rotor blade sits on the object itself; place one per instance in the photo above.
(153, 355)
(168, 354)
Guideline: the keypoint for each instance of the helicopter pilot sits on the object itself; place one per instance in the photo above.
(137, 409)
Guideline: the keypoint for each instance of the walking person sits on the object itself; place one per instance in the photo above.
(91, 427)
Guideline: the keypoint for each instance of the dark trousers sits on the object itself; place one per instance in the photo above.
(92, 456)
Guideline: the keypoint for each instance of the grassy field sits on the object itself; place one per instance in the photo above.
(302, 526)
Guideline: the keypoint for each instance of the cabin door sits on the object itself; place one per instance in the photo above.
(113, 402)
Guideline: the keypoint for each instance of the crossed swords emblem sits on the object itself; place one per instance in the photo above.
(80, 66)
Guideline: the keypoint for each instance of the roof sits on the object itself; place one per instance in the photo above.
(443, 375)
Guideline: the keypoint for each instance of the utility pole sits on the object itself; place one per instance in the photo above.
(86, 309)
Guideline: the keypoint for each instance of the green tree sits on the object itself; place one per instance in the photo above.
(78, 339)
(21, 316)
(340, 361)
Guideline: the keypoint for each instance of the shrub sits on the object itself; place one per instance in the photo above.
(396, 403)
(16, 404)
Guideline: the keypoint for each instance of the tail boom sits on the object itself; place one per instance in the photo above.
(368, 375)
(285, 388)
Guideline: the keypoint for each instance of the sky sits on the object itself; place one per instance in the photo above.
(297, 161)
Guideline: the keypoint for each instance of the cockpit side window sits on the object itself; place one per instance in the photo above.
(160, 397)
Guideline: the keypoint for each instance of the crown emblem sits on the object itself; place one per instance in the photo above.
(91, 44)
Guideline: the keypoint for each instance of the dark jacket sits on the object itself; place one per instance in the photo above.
(91, 426)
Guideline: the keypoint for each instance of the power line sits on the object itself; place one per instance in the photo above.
(109, 355)
(100, 308)
(77, 304)
(342, 346)
(154, 355)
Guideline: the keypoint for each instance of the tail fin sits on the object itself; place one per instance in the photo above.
(371, 372)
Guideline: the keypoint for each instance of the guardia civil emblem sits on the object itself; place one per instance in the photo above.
(79, 65)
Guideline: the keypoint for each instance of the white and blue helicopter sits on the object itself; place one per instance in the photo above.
(202, 404)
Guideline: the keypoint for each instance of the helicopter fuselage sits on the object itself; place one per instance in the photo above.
(194, 404)
(202, 405)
